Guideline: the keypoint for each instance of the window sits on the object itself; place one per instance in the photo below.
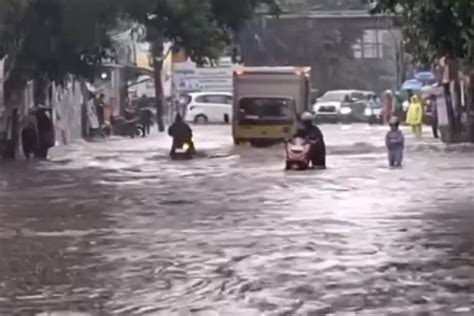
(217, 99)
(357, 49)
(371, 46)
(201, 99)
(254, 111)
(334, 97)
(359, 96)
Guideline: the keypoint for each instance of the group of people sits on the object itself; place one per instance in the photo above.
(395, 140)
(393, 113)
(412, 111)
(181, 133)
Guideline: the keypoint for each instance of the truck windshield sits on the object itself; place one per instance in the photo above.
(258, 111)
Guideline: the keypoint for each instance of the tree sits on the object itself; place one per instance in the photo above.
(201, 27)
(433, 28)
(45, 40)
(439, 28)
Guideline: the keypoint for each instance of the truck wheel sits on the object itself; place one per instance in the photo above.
(237, 141)
(201, 119)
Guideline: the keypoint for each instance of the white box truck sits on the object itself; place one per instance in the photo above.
(268, 101)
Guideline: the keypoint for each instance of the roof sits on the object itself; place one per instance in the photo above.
(339, 91)
(350, 91)
(282, 70)
(197, 94)
(343, 14)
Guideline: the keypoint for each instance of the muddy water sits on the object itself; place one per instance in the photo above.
(117, 229)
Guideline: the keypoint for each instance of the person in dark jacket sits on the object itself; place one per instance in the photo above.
(434, 116)
(311, 132)
(146, 114)
(29, 134)
(45, 133)
(181, 133)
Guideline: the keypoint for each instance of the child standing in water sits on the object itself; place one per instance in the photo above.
(395, 142)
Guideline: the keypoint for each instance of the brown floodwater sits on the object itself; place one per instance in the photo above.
(116, 228)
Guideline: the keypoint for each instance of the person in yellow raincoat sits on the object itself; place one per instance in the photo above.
(415, 116)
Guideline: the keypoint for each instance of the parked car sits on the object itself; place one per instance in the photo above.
(341, 106)
(208, 107)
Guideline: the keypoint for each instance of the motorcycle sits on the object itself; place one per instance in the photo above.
(298, 152)
(185, 151)
(131, 128)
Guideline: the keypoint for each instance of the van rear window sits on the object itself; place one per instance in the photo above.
(267, 110)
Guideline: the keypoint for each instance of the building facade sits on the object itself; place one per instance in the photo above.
(346, 49)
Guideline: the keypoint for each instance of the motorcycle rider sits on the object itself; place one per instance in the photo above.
(311, 132)
(181, 133)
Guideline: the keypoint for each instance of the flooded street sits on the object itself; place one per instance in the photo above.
(116, 228)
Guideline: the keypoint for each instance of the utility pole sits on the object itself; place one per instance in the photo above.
(2, 94)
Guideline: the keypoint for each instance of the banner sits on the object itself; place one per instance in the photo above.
(188, 77)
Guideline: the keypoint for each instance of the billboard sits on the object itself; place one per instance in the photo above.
(188, 77)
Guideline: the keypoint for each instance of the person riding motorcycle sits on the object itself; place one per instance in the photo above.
(312, 133)
(181, 133)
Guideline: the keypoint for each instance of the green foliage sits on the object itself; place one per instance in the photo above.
(435, 27)
(48, 39)
(202, 27)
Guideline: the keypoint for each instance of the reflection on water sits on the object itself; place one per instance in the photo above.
(119, 229)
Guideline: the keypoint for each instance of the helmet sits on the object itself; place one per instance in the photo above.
(394, 120)
(306, 116)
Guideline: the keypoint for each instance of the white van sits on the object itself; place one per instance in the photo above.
(208, 107)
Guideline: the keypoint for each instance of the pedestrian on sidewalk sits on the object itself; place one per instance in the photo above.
(101, 110)
(415, 116)
(434, 116)
(94, 125)
(29, 134)
(45, 132)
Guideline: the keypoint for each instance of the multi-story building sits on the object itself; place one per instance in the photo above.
(346, 49)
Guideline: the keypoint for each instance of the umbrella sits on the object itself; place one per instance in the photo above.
(425, 77)
(412, 84)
